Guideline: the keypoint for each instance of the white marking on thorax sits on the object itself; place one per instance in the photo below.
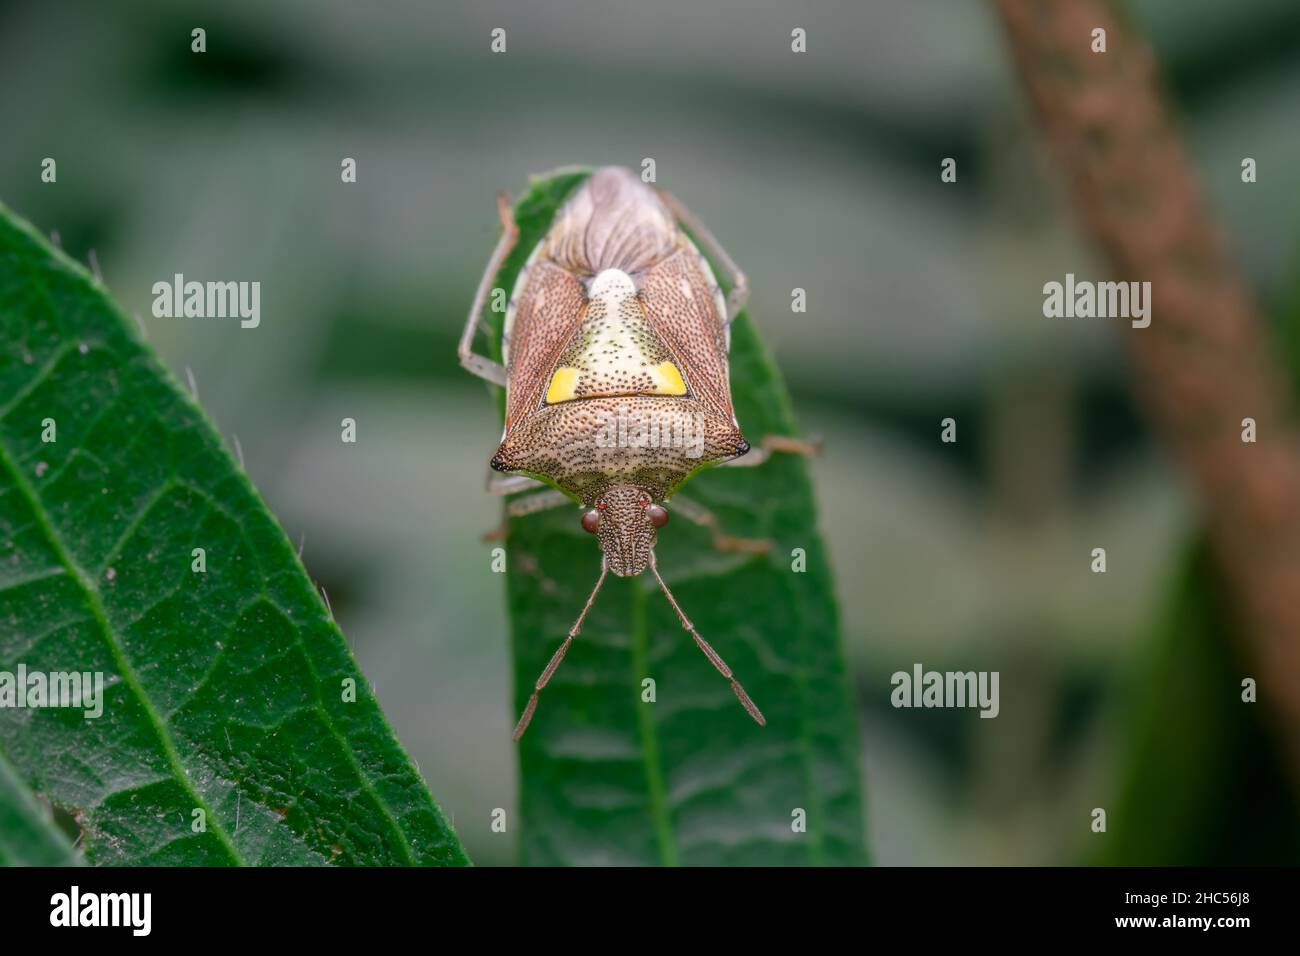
(612, 286)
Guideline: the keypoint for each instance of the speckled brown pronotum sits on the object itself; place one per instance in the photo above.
(615, 369)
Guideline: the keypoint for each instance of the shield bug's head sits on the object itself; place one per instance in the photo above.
(626, 520)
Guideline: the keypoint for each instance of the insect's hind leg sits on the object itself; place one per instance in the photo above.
(774, 443)
(739, 293)
(480, 365)
(698, 514)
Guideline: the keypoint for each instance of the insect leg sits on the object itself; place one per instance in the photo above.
(739, 293)
(558, 656)
(709, 652)
(539, 501)
(702, 516)
(498, 484)
(772, 443)
(480, 365)
(526, 505)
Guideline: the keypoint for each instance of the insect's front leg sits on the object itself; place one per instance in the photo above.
(480, 365)
(499, 484)
(774, 443)
(698, 514)
(526, 505)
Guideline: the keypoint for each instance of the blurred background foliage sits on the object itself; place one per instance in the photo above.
(818, 171)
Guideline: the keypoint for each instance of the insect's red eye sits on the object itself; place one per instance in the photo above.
(590, 520)
(658, 515)
(643, 502)
(600, 505)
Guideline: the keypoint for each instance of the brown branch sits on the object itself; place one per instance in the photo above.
(1203, 364)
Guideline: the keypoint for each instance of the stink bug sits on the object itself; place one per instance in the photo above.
(614, 347)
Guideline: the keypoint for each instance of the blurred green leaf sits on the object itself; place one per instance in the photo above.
(224, 690)
(689, 779)
(1202, 783)
(28, 837)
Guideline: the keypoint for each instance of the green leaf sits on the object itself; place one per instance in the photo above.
(689, 779)
(223, 704)
(28, 837)
(1203, 784)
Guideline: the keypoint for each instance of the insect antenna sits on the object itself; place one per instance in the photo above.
(558, 656)
(709, 652)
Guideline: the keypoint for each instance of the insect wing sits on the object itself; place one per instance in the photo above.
(549, 305)
(684, 307)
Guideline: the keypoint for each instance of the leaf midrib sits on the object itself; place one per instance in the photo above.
(656, 789)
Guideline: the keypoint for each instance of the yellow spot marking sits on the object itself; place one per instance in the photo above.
(665, 380)
(668, 380)
(561, 387)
